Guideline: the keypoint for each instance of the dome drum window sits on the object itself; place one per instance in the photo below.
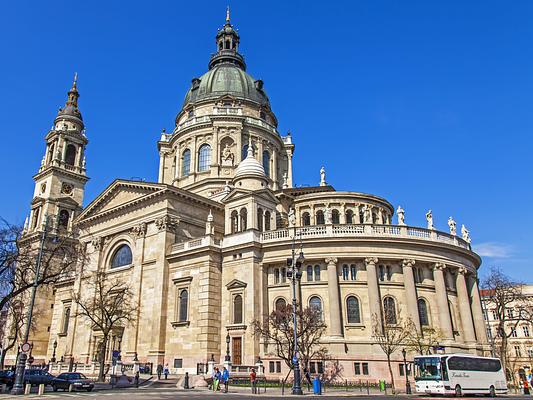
(122, 257)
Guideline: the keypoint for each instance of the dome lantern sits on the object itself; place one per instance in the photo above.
(227, 41)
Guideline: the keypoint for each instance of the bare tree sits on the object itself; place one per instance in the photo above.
(278, 332)
(108, 304)
(390, 335)
(423, 341)
(509, 305)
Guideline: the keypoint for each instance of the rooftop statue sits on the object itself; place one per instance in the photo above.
(453, 226)
(429, 219)
(466, 234)
(401, 215)
(323, 177)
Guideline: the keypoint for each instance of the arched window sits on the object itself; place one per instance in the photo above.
(70, 154)
(267, 220)
(281, 309)
(63, 219)
(121, 257)
(353, 272)
(345, 272)
(276, 275)
(317, 273)
(352, 310)
(315, 304)
(335, 218)
(237, 309)
(423, 312)
(280, 304)
(183, 305)
(204, 158)
(227, 45)
(260, 219)
(283, 275)
(389, 309)
(186, 163)
(234, 221)
(266, 162)
(349, 217)
(309, 273)
(244, 219)
(381, 273)
(320, 217)
(306, 219)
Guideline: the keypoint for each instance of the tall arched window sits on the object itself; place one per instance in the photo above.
(237, 309)
(352, 310)
(244, 152)
(121, 257)
(315, 304)
(276, 275)
(260, 219)
(317, 273)
(309, 273)
(306, 219)
(267, 220)
(266, 162)
(63, 219)
(349, 217)
(244, 219)
(345, 272)
(423, 312)
(234, 221)
(320, 217)
(70, 154)
(183, 305)
(389, 309)
(204, 158)
(186, 163)
(280, 304)
(353, 272)
(335, 217)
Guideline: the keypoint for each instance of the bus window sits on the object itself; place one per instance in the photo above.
(428, 368)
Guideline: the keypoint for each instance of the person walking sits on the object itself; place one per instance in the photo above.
(253, 381)
(225, 379)
(159, 371)
(216, 380)
(166, 371)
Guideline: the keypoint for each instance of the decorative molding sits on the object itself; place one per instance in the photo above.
(462, 271)
(236, 284)
(408, 263)
(97, 243)
(177, 324)
(167, 223)
(181, 280)
(139, 231)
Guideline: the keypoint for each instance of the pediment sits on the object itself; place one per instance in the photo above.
(236, 284)
(119, 193)
(238, 194)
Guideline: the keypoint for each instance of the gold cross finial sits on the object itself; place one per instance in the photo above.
(75, 79)
(227, 14)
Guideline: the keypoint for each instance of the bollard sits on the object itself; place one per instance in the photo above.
(71, 387)
(41, 389)
(27, 388)
(186, 383)
(367, 388)
(137, 379)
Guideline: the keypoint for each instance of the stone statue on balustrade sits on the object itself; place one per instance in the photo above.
(453, 226)
(227, 156)
(465, 234)
(328, 216)
(367, 214)
(401, 215)
(429, 219)
(323, 177)
(292, 218)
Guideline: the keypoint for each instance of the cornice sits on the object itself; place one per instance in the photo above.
(60, 171)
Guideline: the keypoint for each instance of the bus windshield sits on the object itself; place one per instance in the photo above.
(428, 368)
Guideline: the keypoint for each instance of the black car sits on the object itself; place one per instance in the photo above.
(6, 377)
(77, 380)
(37, 377)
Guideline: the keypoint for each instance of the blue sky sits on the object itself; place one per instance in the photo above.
(427, 104)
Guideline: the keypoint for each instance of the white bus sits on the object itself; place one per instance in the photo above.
(459, 374)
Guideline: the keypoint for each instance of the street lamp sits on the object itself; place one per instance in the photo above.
(53, 359)
(407, 384)
(295, 275)
(228, 357)
(18, 387)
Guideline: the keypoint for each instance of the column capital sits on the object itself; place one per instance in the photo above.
(438, 266)
(462, 270)
(408, 263)
(371, 260)
(331, 260)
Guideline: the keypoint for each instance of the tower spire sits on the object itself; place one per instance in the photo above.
(227, 15)
(70, 111)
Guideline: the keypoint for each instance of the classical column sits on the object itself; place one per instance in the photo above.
(373, 291)
(442, 301)
(464, 306)
(335, 325)
(274, 172)
(410, 292)
(477, 311)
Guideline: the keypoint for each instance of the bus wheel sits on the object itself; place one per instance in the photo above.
(458, 391)
(492, 392)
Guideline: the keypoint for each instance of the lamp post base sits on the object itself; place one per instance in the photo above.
(18, 387)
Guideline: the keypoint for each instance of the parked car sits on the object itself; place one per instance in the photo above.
(6, 377)
(76, 379)
(37, 377)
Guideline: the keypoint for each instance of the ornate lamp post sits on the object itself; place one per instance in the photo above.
(53, 359)
(228, 357)
(294, 273)
(407, 384)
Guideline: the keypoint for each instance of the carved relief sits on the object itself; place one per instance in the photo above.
(167, 223)
(138, 231)
(67, 188)
(97, 243)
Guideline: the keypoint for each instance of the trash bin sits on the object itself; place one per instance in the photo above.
(381, 386)
(317, 385)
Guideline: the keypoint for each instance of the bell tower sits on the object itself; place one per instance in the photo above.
(60, 181)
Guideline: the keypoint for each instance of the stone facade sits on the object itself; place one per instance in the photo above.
(214, 230)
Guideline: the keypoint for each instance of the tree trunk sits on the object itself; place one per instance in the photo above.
(3, 358)
(391, 375)
(101, 372)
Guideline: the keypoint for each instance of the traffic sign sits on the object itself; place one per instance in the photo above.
(25, 347)
(31, 359)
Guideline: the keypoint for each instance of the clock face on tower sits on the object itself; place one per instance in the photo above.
(66, 188)
(43, 187)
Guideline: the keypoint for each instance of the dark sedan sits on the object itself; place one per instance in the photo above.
(37, 376)
(77, 380)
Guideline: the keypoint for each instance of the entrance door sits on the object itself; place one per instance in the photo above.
(237, 351)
